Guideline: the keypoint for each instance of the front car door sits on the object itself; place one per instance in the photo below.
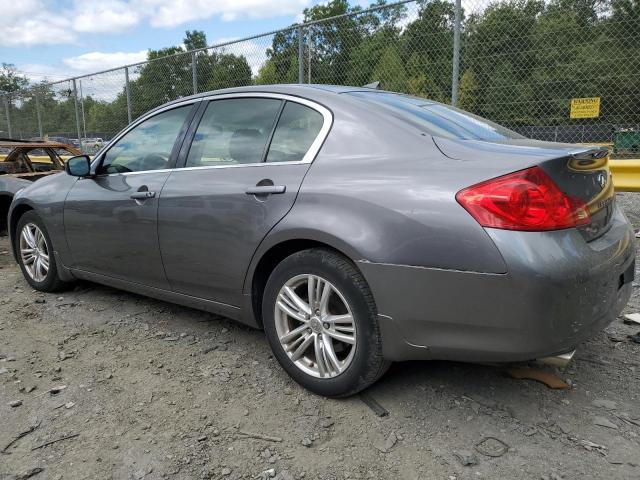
(111, 220)
(241, 175)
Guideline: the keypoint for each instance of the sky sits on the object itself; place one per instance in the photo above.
(56, 39)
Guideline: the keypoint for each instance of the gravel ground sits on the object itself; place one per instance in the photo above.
(153, 390)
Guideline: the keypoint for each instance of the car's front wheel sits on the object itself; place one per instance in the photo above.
(321, 321)
(35, 254)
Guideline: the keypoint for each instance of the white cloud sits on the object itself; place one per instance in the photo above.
(107, 16)
(27, 23)
(37, 22)
(12, 9)
(170, 13)
(96, 61)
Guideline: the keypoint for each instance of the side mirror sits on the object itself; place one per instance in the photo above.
(79, 166)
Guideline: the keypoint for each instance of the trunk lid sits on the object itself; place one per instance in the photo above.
(579, 171)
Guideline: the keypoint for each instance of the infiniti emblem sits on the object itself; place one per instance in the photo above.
(602, 179)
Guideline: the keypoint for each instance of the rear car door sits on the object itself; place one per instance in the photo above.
(111, 220)
(241, 175)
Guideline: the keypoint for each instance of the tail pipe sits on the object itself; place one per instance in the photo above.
(558, 360)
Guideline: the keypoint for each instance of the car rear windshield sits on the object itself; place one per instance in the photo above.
(438, 119)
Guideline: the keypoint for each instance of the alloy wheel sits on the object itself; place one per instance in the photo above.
(315, 326)
(34, 252)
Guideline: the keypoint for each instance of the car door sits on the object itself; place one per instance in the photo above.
(111, 219)
(241, 175)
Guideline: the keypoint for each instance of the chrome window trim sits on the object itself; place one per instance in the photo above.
(311, 154)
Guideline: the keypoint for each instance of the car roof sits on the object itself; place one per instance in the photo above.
(304, 90)
(13, 143)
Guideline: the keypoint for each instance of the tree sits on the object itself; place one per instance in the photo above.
(500, 49)
(195, 39)
(389, 70)
(227, 70)
(282, 54)
(364, 57)
(10, 80)
(430, 37)
(521, 63)
(421, 80)
(165, 79)
(333, 42)
(468, 90)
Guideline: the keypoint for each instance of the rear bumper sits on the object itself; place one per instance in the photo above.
(558, 291)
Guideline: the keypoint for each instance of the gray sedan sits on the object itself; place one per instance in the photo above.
(356, 227)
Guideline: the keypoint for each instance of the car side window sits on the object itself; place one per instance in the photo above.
(147, 146)
(297, 129)
(233, 131)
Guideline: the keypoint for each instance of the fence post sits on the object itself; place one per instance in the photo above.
(6, 111)
(38, 115)
(126, 89)
(300, 54)
(75, 103)
(309, 56)
(84, 122)
(194, 72)
(456, 53)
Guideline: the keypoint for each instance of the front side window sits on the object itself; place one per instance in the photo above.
(233, 131)
(297, 129)
(147, 146)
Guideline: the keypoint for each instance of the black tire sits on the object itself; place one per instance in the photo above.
(52, 281)
(368, 364)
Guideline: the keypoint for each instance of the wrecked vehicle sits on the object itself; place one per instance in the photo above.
(357, 227)
(25, 161)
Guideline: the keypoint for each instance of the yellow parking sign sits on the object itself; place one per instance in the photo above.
(585, 107)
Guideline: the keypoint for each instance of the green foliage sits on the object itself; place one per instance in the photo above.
(521, 62)
(195, 39)
(389, 70)
(10, 80)
(467, 96)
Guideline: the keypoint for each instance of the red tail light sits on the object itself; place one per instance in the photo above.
(527, 200)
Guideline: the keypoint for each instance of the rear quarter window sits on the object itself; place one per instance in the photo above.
(296, 131)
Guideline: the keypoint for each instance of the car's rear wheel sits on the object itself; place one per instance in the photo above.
(321, 321)
(35, 254)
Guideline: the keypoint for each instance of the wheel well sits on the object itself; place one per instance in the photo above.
(5, 202)
(15, 218)
(268, 263)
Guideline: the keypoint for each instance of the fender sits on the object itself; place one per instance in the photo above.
(298, 234)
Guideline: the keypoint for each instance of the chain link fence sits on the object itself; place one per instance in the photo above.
(520, 63)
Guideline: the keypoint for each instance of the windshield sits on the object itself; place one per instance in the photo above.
(438, 119)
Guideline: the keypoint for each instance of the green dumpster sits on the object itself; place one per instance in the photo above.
(626, 140)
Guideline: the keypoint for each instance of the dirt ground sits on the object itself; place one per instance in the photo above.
(153, 390)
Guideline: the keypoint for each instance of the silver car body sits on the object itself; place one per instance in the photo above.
(375, 188)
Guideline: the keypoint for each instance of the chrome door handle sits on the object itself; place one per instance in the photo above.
(266, 190)
(143, 195)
